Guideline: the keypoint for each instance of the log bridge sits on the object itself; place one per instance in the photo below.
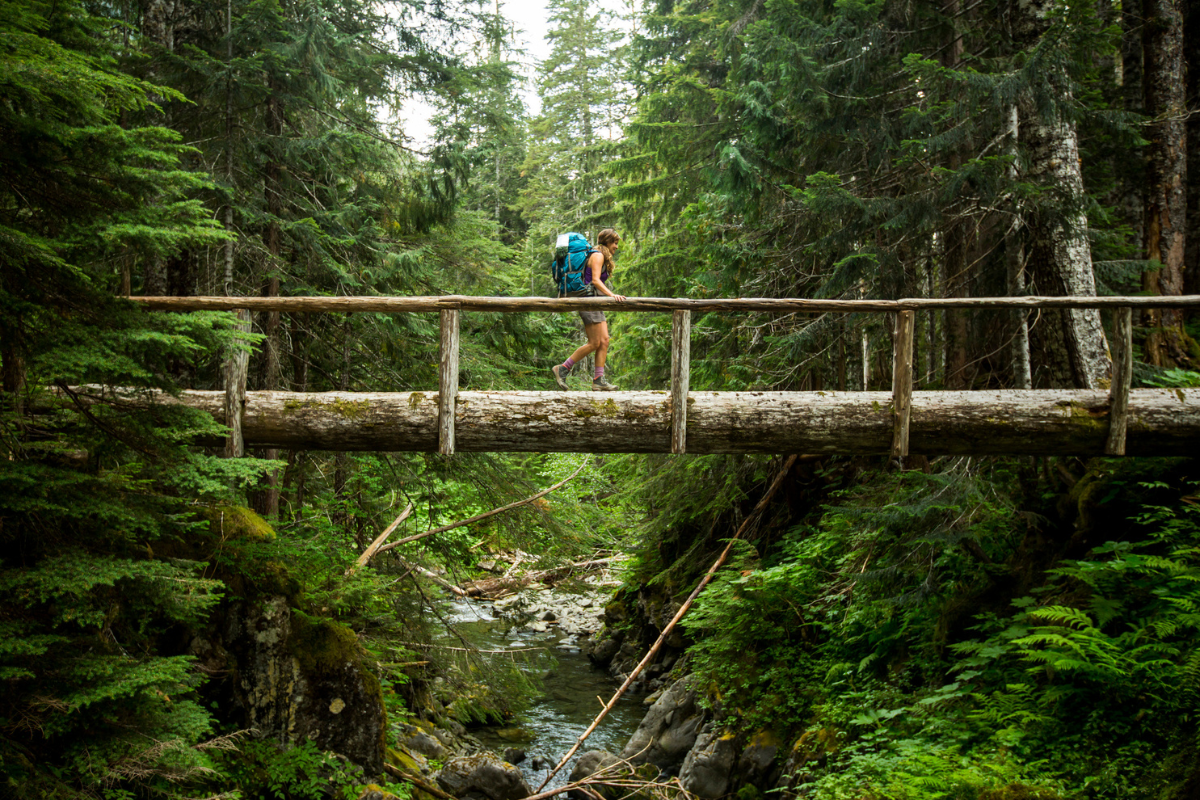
(1115, 421)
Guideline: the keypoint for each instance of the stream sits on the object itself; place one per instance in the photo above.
(548, 728)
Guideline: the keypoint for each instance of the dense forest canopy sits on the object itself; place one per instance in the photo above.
(964, 628)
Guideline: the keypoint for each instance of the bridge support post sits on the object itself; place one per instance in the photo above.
(681, 359)
(1122, 379)
(447, 380)
(902, 383)
(235, 370)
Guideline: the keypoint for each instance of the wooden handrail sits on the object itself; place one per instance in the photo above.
(401, 305)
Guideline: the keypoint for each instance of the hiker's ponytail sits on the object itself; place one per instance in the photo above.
(604, 243)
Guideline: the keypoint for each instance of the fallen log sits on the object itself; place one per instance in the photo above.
(491, 588)
(991, 422)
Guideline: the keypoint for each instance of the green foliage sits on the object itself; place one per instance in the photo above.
(918, 643)
(267, 771)
(1176, 377)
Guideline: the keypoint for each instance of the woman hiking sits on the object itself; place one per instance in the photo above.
(598, 268)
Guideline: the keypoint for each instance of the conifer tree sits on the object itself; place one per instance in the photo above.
(92, 704)
(861, 150)
(480, 112)
(577, 133)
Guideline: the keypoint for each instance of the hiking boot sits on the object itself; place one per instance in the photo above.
(601, 384)
(560, 377)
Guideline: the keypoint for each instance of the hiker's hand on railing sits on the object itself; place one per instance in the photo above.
(620, 298)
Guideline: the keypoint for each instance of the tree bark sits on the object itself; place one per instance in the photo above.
(1191, 51)
(992, 422)
(266, 499)
(1165, 218)
(956, 281)
(340, 462)
(234, 376)
(1014, 259)
(12, 342)
(1070, 344)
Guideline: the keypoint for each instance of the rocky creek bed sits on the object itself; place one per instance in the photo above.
(666, 733)
(562, 624)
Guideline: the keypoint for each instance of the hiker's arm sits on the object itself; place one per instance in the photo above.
(598, 267)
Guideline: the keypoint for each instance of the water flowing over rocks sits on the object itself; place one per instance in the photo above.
(540, 609)
(677, 736)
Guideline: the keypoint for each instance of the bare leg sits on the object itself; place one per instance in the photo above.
(602, 343)
(597, 342)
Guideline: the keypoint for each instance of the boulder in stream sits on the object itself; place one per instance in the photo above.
(708, 767)
(586, 766)
(590, 763)
(483, 774)
(669, 729)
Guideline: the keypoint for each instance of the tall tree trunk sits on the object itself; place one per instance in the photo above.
(1070, 344)
(227, 280)
(1014, 258)
(12, 343)
(1165, 225)
(954, 238)
(1191, 52)
(267, 500)
(295, 474)
(340, 462)
(158, 21)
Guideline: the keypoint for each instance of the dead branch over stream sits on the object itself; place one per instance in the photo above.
(670, 626)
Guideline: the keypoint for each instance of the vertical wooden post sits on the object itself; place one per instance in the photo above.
(237, 366)
(681, 359)
(447, 380)
(1122, 377)
(902, 382)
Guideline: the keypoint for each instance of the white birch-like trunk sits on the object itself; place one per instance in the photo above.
(1069, 346)
(1059, 259)
(1015, 261)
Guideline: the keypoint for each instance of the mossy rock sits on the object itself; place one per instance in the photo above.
(323, 647)
(227, 522)
(816, 745)
(406, 762)
(373, 791)
(616, 611)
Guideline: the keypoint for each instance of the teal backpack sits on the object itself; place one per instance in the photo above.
(571, 252)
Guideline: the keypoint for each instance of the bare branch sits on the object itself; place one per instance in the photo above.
(486, 514)
(379, 540)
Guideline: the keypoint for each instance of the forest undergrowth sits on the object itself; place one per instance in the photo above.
(982, 628)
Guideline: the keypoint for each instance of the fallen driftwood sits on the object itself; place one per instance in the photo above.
(433, 576)
(493, 588)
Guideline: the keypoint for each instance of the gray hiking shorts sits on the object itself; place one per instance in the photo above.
(588, 317)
